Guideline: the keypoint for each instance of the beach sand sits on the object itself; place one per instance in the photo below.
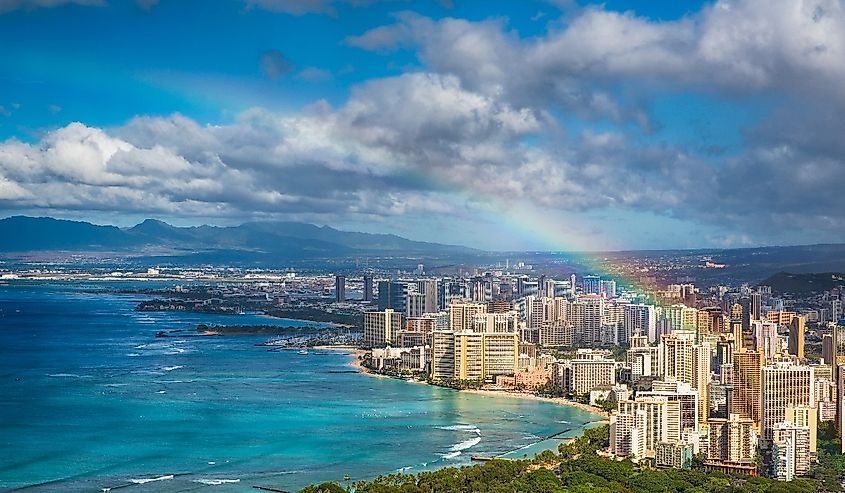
(359, 353)
(356, 360)
(554, 400)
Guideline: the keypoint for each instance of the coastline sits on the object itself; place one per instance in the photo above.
(356, 363)
(554, 400)
(356, 358)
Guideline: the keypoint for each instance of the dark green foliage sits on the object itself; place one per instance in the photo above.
(606, 405)
(324, 488)
(831, 462)
(583, 471)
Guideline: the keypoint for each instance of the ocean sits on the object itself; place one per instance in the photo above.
(91, 400)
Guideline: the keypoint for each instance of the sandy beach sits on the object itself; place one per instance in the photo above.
(356, 360)
(356, 363)
(554, 400)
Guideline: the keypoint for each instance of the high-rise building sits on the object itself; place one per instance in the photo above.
(642, 359)
(443, 355)
(592, 284)
(460, 315)
(589, 373)
(702, 356)
(500, 353)
(640, 320)
(718, 324)
(469, 355)
(451, 291)
(415, 304)
(339, 289)
(790, 455)
(681, 317)
(808, 417)
(662, 418)
(392, 295)
(607, 289)
(783, 385)
(628, 434)
(765, 338)
(368, 288)
(557, 333)
(381, 327)
(827, 349)
(429, 289)
(499, 306)
(746, 385)
(732, 440)
(589, 333)
(549, 288)
(756, 306)
(796, 337)
(534, 311)
(676, 355)
(719, 397)
(781, 317)
(489, 347)
(685, 394)
(481, 289)
(670, 455)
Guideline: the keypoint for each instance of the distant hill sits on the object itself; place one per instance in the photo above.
(802, 284)
(285, 240)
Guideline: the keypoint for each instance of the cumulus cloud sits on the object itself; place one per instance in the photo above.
(606, 65)
(486, 120)
(414, 143)
(733, 47)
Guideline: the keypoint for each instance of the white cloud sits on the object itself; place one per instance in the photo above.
(481, 124)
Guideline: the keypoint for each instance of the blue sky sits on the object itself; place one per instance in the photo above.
(621, 124)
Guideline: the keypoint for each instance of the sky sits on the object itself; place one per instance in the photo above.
(501, 125)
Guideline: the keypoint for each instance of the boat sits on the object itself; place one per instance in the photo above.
(303, 351)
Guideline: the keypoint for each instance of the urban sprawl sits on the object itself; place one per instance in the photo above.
(720, 376)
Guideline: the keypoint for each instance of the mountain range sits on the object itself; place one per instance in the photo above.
(23, 234)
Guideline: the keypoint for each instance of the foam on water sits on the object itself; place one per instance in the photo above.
(68, 375)
(216, 482)
(150, 480)
(472, 428)
(472, 442)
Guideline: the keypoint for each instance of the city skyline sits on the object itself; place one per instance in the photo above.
(557, 126)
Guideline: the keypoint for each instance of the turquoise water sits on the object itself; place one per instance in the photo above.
(90, 399)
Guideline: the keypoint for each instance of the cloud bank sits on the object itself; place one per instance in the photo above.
(486, 121)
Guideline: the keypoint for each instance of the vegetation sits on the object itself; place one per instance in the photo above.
(317, 315)
(606, 405)
(804, 283)
(457, 383)
(831, 466)
(575, 468)
(618, 353)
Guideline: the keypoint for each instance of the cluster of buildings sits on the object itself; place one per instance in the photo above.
(725, 379)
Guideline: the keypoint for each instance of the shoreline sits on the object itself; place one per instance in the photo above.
(561, 401)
